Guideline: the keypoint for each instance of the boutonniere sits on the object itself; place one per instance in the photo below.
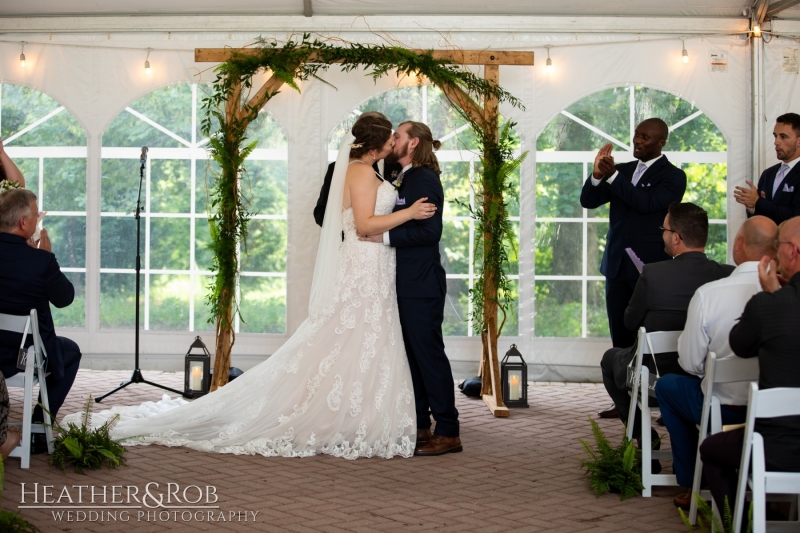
(397, 181)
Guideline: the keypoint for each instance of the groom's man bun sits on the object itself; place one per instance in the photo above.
(423, 155)
(371, 131)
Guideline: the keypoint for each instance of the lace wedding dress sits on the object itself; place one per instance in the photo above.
(340, 385)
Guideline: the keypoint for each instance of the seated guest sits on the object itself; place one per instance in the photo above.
(31, 278)
(8, 170)
(661, 298)
(712, 313)
(768, 330)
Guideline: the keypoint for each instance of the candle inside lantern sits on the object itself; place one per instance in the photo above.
(514, 386)
(197, 377)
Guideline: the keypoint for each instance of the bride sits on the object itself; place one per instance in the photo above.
(341, 384)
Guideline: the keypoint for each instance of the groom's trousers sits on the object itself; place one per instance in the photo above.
(434, 394)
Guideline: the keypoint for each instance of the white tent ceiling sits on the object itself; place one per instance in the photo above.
(659, 8)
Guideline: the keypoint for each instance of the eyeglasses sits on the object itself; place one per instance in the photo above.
(663, 229)
(777, 244)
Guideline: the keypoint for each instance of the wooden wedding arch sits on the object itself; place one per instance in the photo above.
(234, 111)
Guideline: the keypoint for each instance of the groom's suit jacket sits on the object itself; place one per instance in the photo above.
(786, 203)
(419, 269)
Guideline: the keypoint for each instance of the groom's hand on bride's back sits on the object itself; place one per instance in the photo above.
(371, 238)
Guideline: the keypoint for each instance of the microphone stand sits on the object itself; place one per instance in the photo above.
(137, 377)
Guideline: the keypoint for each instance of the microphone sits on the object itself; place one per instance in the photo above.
(143, 157)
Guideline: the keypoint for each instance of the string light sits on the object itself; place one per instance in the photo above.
(147, 62)
(756, 30)
(684, 53)
(548, 66)
(22, 56)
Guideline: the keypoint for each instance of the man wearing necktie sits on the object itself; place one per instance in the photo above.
(775, 196)
(639, 193)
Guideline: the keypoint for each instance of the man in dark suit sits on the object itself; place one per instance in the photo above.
(638, 193)
(768, 330)
(661, 298)
(778, 193)
(389, 170)
(421, 290)
(31, 278)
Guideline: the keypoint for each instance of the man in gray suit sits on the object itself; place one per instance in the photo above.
(661, 298)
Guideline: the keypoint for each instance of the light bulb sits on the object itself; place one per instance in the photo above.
(147, 67)
(549, 66)
(756, 31)
(685, 55)
(22, 60)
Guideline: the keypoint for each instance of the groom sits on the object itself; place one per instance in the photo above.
(421, 290)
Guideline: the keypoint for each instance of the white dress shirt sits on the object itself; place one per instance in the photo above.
(386, 233)
(713, 312)
(611, 179)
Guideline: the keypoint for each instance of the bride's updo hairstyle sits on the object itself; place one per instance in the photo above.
(423, 155)
(371, 131)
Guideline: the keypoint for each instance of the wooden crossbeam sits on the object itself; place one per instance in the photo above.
(464, 57)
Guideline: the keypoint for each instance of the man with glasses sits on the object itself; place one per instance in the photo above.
(661, 299)
(778, 193)
(638, 194)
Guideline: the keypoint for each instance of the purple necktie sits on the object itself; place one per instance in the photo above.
(779, 179)
(639, 171)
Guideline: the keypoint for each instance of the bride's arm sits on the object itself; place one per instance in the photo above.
(363, 193)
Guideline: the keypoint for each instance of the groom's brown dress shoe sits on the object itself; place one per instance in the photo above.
(439, 445)
(423, 436)
(611, 412)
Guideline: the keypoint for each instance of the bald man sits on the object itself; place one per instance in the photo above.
(638, 194)
(713, 311)
(768, 330)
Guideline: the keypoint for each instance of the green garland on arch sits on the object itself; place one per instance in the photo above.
(227, 116)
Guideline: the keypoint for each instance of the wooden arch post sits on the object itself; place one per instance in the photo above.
(487, 115)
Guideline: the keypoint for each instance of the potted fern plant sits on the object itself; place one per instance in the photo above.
(612, 469)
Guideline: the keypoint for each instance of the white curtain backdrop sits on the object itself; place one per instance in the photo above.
(96, 80)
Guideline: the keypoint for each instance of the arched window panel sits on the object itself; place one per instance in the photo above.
(49, 147)
(570, 240)
(177, 260)
(459, 160)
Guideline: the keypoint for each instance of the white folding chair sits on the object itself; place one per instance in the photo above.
(769, 403)
(725, 370)
(27, 379)
(649, 343)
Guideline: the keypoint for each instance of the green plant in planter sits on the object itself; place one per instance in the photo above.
(708, 523)
(10, 521)
(612, 469)
(84, 447)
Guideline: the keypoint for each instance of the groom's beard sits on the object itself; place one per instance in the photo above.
(395, 157)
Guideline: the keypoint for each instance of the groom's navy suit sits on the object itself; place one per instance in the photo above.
(786, 203)
(421, 292)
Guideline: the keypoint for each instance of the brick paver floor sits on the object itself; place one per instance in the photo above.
(516, 474)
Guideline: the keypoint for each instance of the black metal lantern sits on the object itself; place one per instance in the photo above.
(515, 379)
(197, 377)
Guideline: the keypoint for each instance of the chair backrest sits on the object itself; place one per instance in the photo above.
(731, 369)
(661, 341)
(26, 325)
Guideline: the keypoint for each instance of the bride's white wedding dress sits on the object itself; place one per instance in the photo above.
(340, 385)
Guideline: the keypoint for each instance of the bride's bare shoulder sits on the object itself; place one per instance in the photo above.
(358, 172)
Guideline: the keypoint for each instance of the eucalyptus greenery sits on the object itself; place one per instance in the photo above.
(230, 108)
(612, 469)
(84, 447)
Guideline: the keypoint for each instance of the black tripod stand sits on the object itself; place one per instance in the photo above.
(137, 377)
